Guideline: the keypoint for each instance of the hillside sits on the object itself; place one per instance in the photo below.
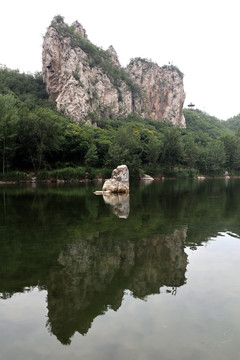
(200, 122)
(35, 137)
(233, 123)
(27, 87)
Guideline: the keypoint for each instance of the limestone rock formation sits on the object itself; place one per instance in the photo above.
(163, 89)
(74, 71)
(119, 182)
(84, 79)
(113, 52)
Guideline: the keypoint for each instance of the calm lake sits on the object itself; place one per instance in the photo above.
(155, 275)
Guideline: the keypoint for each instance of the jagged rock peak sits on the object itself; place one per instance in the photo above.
(79, 28)
(163, 88)
(114, 54)
(58, 19)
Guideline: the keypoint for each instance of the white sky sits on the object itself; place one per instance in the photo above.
(200, 37)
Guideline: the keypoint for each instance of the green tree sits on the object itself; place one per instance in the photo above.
(212, 158)
(76, 142)
(190, 151)
(152, 150)
(236, 154)
(236, 159)
(230, 146)
(40, 133)
(172, 149)
(126, 149)
(8, 128)
(91, 157)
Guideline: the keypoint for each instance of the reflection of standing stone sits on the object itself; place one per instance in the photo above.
(119, 203)
(119, 182)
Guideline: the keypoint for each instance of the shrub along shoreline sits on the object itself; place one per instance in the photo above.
(65, 174)
(83, 174)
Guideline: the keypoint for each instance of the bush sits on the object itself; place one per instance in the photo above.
(43, 175)
(182, 173)
(104, 173)
(71, 174)
(63, 174)
(152, 170)
(186, 173)
(16, 176)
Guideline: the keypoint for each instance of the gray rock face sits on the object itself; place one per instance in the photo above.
(81, 84)
(114, 54)
(119, 182)
(79, 28)
(121, 173)
(78, 86)
(163, 88)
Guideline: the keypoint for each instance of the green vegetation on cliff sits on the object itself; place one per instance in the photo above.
(34, 137)
(96, 56)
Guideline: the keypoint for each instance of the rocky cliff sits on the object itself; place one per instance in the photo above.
(84, 79)
(163, 90)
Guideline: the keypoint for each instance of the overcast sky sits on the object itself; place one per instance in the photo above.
(200, 37)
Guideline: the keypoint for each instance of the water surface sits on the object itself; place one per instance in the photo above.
(155, 275)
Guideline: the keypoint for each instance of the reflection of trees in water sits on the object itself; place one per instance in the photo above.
(36, 224)
(93, 275)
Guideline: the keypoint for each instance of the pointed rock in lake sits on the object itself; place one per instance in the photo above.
(119, 182)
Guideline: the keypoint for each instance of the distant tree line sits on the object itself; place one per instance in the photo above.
(34, 137)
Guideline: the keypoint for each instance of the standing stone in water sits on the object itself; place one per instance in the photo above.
(119, 182)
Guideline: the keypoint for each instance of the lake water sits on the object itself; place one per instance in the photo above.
(151, 276)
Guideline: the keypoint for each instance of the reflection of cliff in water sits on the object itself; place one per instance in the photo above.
(93, 275)
(37, 224)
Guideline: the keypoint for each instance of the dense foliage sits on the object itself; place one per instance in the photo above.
(34, 137)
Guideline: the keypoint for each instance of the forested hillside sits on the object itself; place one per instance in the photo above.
(233, 123)
(35, 138)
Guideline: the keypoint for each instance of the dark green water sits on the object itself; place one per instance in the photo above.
(152, 276)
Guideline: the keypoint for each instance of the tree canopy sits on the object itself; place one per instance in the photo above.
(34, 136)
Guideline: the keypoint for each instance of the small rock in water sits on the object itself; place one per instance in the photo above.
(99, 192)
(146, 177)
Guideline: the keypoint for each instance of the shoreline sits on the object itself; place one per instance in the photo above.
(62, 181)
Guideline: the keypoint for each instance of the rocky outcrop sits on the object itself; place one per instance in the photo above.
(163, 89)
(76, 76)
(84, 79)
(113, 52)
(119, 182)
